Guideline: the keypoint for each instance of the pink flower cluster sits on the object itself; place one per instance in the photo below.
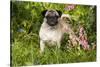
(83, 38)
(70, 7)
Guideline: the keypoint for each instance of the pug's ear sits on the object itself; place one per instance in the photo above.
(59, 12)
(43, 13)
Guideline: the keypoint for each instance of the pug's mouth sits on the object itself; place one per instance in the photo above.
(52, 23)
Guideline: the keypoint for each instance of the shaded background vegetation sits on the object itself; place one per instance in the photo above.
(26, 20)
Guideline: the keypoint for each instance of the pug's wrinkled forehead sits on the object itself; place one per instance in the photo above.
(52, 13)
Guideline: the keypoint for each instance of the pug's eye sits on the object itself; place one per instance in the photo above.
(57, 16)
(47, 16)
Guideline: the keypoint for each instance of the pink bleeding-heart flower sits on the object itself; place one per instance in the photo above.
(83, 38)
(70, 7)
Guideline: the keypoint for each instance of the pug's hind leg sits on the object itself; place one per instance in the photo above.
(42, 45)
(58, 44)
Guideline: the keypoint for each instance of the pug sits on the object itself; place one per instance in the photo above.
(53, 27)
(50, 31)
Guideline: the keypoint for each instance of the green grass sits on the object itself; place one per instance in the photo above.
(25, 51)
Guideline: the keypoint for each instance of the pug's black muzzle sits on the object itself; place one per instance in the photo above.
(52, 21)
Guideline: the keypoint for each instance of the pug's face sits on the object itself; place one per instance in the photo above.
(51, 17)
